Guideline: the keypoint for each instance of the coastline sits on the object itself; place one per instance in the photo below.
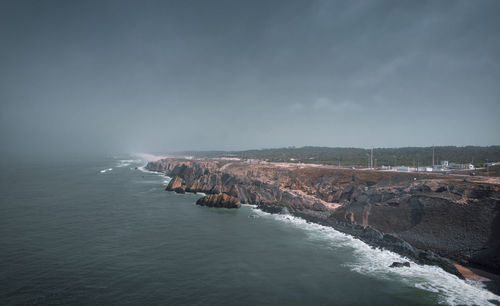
(216, 176)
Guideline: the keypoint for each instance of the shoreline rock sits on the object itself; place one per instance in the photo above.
(219, 200)
(431, 219)
(398, 264)
(176, 184)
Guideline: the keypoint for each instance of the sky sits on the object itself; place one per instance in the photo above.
(152, 76)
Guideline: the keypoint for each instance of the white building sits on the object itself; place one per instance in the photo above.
(461, 166)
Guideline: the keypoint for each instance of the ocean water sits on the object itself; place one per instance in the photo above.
(100, 231)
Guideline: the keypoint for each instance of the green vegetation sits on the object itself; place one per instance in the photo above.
(409, 156)
(495, 168)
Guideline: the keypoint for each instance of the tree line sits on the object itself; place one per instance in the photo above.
(407, 156)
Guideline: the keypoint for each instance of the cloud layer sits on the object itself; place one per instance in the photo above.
(111, 76)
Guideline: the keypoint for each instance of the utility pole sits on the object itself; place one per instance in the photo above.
(371, 159)
(432, 157)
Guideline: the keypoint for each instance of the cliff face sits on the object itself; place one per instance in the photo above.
(219, 200)
(417, 215)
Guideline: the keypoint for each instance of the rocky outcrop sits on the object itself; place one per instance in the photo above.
(176, 184)
(431, 219)
(219, 200)
(456, 223)
(397, 264)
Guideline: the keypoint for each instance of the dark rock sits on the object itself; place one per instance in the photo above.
(272, 208)
(219, 200)
(397, 264)
(372, 234)
(441, 189)
(425, 188)
(179, 190)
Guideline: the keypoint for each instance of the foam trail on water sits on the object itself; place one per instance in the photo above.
(450, 289)
(143, 169)
(127, 162)
(106, 170)
(166, 179)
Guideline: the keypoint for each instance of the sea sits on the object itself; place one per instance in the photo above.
(103, 231)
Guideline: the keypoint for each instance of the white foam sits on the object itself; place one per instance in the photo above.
(249, 205)
(450, 289)
(127, 162)
(143, 169)
(106, 170)
(166, 180)
(201, 193)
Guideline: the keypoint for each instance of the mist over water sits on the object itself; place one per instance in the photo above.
(102, 231)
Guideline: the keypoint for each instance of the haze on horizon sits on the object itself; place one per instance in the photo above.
(139, 76)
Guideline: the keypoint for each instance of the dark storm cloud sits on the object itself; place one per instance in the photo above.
(107, 76)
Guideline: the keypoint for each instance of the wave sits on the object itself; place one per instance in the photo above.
(127, 162)
(450, 289)
(166, 179)
(143, 169)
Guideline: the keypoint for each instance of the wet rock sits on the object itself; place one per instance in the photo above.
(219, 200)
(272, 208)
(398, 264)
(179, 190)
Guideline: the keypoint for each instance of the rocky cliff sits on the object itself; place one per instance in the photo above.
(430, 218)
(219, 200)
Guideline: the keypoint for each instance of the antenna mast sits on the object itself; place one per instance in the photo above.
(371, 159)
(432, 157)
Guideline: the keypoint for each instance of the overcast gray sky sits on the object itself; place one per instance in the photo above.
(121, 76)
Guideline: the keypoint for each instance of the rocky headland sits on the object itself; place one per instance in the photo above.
(449, 221)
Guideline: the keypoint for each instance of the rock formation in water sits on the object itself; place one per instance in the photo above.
(433, 219)
(219, 200)
(398, 264)
(175, 184)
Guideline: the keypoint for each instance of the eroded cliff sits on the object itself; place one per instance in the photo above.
(423, 216)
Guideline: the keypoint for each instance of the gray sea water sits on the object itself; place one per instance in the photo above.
(100, 231)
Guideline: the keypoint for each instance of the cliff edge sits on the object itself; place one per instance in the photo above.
(433, 219)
